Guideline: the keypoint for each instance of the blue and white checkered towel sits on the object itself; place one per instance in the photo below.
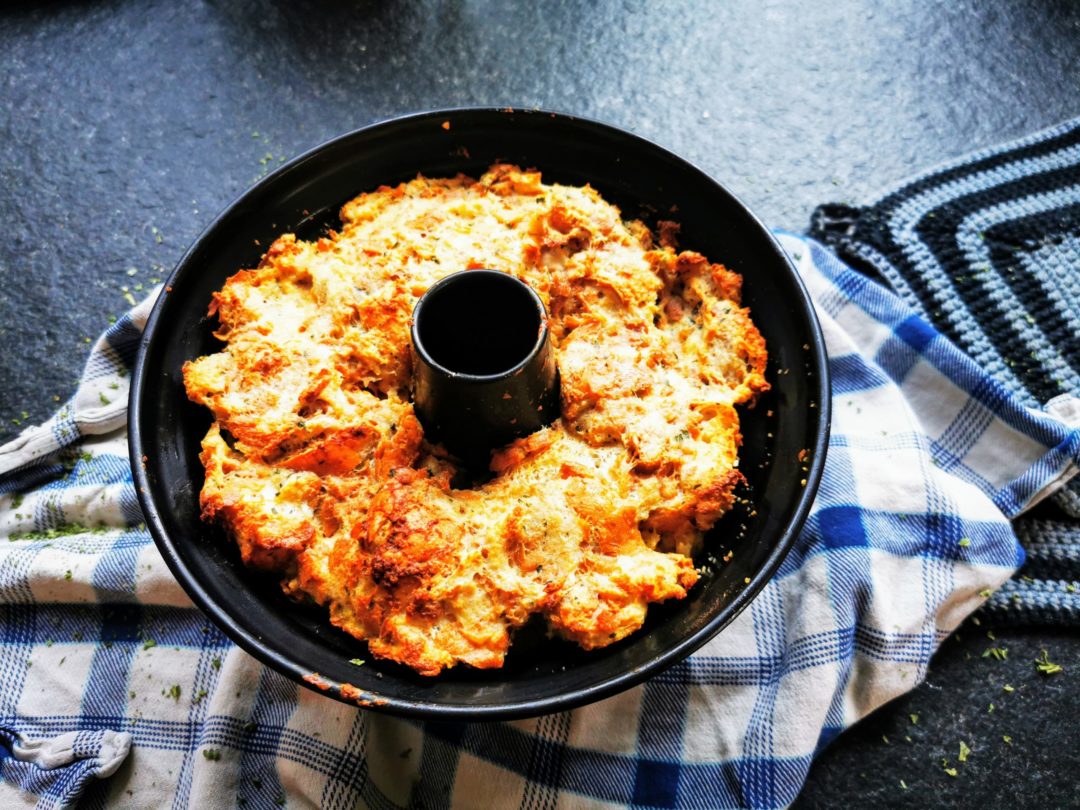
(107, 670)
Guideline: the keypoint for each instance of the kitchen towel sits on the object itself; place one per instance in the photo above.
(987, 249)
(109, 671)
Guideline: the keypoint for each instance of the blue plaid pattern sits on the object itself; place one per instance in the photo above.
(109, 671)
(986, 248)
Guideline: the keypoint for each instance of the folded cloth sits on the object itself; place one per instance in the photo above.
(987, 249)
(929, 459)
(56, 768)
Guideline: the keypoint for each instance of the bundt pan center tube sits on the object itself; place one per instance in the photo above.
(783, 437)
(483, 369)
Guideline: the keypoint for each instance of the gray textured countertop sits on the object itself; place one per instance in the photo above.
(125, 127)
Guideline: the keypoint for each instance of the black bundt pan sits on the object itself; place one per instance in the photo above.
(540, 675)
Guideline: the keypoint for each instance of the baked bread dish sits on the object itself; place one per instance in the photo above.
(319, 470)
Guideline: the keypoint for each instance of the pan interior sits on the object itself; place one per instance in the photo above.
(540, 674)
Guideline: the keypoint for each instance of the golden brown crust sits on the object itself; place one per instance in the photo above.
(318, 468)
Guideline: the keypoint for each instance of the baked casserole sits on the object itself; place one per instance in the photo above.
(319, 470)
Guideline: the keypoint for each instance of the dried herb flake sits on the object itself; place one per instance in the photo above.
(1047, 667)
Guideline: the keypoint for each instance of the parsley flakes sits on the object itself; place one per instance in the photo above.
(1047, 667)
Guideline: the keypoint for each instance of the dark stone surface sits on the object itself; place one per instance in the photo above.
(1038, 768)
(125, 126)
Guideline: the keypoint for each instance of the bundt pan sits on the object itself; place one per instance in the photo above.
(540, 674)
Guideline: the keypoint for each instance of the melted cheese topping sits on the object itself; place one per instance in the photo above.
(318, 468)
